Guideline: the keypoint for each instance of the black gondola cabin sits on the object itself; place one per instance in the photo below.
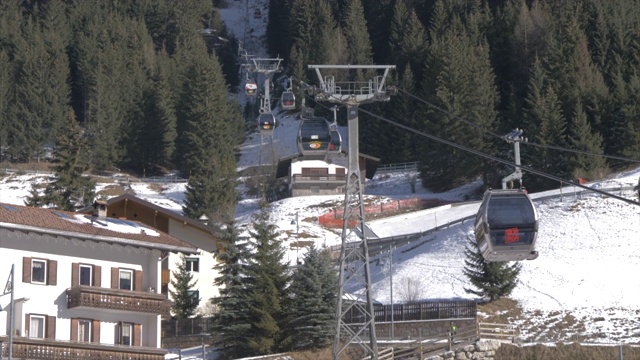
(266, 123)
(506, 226)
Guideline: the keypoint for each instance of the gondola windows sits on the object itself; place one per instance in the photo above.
(288, 101)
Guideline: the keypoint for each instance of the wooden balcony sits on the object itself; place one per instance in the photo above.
(29, 348)
(116, 299)
(330, 178)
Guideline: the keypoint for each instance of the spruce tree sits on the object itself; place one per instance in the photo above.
(267, 294)
(231, 322)
(581, 138)
(184, 304)
(489, 280)
(71, 187)
(310, 322)
(208, 133)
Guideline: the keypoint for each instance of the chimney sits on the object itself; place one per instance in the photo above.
(100, 209)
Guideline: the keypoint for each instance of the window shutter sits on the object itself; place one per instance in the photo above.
(52, 276)
(115, 278)
(118, 334)
(27, 324)
(50, 332)
(97, 276)
(137, 282)
(75, 275)
(95, 331)
(137, 335)
(74, 329)
(26, 269)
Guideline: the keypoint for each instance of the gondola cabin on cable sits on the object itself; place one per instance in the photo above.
(288, 101)
(314, 136)
(506, 226)
(266, 123)
(250, 88)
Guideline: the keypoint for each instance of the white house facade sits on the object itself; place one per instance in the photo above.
(200, 264)
(84, 286)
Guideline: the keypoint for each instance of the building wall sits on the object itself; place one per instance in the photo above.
(207, 246)
(51, 300)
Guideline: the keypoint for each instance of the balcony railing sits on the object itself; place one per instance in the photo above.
(29, 348)
(116, 299)
(298, 178)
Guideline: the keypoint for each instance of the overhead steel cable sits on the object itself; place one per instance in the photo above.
(496, 159)
(470, 123)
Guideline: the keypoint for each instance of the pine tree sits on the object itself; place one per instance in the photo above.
(461, 81)
(490, 280)
(581, 138)
(5, 99)
(231, 321)
(184, 303)
(267, 290)
(357, 35)
(34, 198)
(209, 128)
(312, 301)
(71, 186)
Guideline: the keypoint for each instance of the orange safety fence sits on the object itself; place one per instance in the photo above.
(333, 218)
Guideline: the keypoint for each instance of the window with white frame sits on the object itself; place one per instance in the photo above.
(193, 264)
(84, 330)
(126, 279)
(38, 271)
(86, 272)
(36, 326)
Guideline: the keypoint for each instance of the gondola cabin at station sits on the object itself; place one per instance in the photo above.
(506, 226)
(288, 101)
(266, 123)
(250, 88)
(314, 136)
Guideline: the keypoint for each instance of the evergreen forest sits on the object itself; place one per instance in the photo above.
(566, 72)
(148, 84)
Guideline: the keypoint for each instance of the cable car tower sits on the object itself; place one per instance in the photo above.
(354, 252)
(266, 120)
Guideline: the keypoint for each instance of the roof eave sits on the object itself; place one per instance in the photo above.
(107, 239)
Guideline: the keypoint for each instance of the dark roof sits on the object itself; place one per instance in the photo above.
(160, 209)
(77, 225)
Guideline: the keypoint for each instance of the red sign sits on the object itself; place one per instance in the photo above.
(511, 235)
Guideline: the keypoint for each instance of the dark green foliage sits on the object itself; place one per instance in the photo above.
(312, 302)
(71, 187)
(490, 280)
(34, 198)
(184, 304)
(231, 320)
(210, 124)
(356, 35)
(461, 82)
(582, 138)
(544, 124)
(267, 289)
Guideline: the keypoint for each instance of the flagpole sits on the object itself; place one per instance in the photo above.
(11, 309)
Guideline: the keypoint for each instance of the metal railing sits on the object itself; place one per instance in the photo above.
(408, 166)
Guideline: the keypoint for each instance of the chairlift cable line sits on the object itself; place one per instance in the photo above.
(491, 157)
(457, 117)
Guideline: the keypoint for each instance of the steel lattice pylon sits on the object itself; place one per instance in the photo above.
(354, 313)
